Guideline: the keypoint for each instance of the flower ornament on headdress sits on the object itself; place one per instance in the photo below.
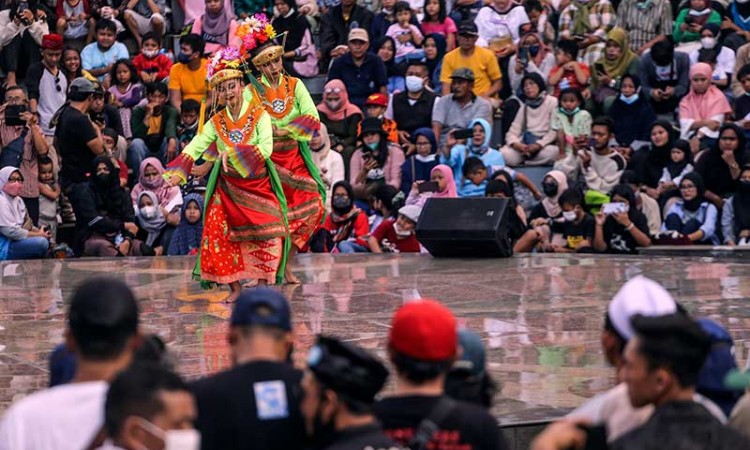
(224, 65)
(255, 31)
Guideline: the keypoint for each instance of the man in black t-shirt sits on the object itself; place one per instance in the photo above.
(578, 226)
(422, 347)
(621, 232)
(256, 403)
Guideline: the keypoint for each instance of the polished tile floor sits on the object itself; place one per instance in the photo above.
(539, 315)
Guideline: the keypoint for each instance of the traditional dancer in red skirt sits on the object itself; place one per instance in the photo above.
(294, 119)
(244, 227)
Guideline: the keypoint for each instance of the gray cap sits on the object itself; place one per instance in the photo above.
(463, 73)
(82, 86)
(411, 212)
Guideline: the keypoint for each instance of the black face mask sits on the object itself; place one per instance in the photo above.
(549, 189)
(324, 434)
(341, 205)
(744, 187)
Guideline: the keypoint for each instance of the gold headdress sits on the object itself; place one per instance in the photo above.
(257, 34)
(223, 66)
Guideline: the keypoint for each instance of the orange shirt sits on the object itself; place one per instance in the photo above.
(190, 83)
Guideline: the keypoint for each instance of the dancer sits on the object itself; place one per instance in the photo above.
(245, 228)
(295, 118)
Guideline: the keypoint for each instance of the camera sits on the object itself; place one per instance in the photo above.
(97, 117)
(22, 7)
(13, 115)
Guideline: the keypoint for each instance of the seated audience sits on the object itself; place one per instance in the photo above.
(19, 238)
(24, 25)
(735, 216)
(703, 110)
(476, 175)
(603, 166)
(554, 184)
(125, 92)
(533, 56)
(690, 21)
(375, 107)
(151, 63)
(617, 61)
(645, 204)
(531, 139)
(385, 201)
(720, 58)
(397, 236)
(418, 166)
(457, 109)
(49, 196)
(154, 127)
(187, 77)
(406, 36)
(330, 164)
(498, 23)
(70, 65)
(412, 108)
(569, 73)
(577, 228)
(336, 25)
(499, 188)
(478, 146)
(646, 22)
(622, 231)
(665, 78)
(679, 165)
(632, 114)
(482, 63)
(434, 51)
(341, 118)
(186, 239)
(385, 51)
(382, 20)
(443, 186)
(99, 57)
(573, 126)
(162, 215)
(436, 21)
(143, 16)
(587, 24)
(649, 162)
(363, 73)
(347, 226)
(188, 127)
(692, 216)
(73, 19)
(217, 27)
(376, 161)
(720, 165)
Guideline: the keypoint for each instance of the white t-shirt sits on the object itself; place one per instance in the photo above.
(65, 417)
(491, 24)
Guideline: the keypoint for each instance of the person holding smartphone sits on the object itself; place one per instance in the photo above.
(618, 60)
(441, 185)
(620, 227)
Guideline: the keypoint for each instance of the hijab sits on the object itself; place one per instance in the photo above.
(618, 67)
(187, 236)
(675, 169)
(12, 209)
(215, 27)
(660, 155)
(543, 49)
(632, 121)
(551, 204)
(293, 24)
(441, 46)
(344, 220)
(714, 169)
(481, 150)
(703, 106)
(347, 108)
(319, 155)
(430, 135)
(392, 69)
(694, 204)
(152, 225)
(109, 194)
(450, 191)
(164, 193)
(741, 203)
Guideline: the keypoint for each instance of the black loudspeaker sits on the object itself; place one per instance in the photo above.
(466, 227)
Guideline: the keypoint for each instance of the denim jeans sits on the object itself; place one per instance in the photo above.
(351, 247)
(139, 151)
(29, 248)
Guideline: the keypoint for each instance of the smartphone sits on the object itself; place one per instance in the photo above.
(427, 186)
(592, 142)
(599, 67)
(614, 208)
(13, 115)
(464, 133)
(523, 55)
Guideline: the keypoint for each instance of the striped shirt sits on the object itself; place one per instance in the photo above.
(601, 20)
(644, 25)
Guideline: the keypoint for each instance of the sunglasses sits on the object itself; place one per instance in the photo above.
(57, 84)
(332, 91)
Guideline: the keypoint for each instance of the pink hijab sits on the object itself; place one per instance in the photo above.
(703, 106)
(347, 108)
(552, 204)
(450, 192)
(163, 192)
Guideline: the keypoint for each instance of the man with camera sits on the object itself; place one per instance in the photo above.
(22, 143)
(21, 32)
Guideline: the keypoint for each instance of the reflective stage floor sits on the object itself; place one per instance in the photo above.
(540, 316)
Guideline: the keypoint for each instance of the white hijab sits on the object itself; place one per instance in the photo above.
(155, 224)
(12, 209)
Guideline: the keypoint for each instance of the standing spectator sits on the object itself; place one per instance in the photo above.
(187, 78)
(665, 77)
(621, 232)
(19, 239)
(720, 165)
(330, 164)
(142, 16)
(436, 21)
(587, 23)
(103, 336)
(341, 118)
(531, 139)
(690, 21)
(151, 63)
(73, 19)
(262, 389)
(338, 399)
(154, 128)
(46, 84)
(99, 57)
(362, 72)
(21, 32)
(422, 346)
(499, 23)
(481, 62)
(692, 216)
(24, 142)
(397, 236)
(603, 167)
(347, 226)
(647, 22)
(146, 404)
(336, 25)
(533, 56)
(456, 110)
(418, 166)
(217, 27)
(735, 216)
(412, 108)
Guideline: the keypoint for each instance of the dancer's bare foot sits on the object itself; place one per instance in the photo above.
(235, 291)
(251, 284)
(290, 278)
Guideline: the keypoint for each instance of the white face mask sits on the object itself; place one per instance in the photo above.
(569, 216)
(400, 232)
(149, 212)
(708, 42)
(150, 53)
(189, 439)
(414, 84)
(334, 104)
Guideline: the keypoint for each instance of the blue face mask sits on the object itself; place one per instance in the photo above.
(645, 5)
(629, 100)
(534, 50)
(183, 58)
(374, 145)
(570, 113)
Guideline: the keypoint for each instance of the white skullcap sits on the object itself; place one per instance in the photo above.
(639, 296)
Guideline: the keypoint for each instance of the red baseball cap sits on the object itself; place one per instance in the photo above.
(377, 99)
(52, 42)
(424, 330)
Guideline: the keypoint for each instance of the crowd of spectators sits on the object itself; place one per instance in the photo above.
(640, 105)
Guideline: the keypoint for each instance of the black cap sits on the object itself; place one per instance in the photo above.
(346, 369)
(262, 306)
(468, 27)
(371, 125)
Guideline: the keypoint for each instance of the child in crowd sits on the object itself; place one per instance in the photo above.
(73, 19)
(397, 236)
(406, 35)
(679, 165)
(109, 139)
(479, 174)
(126, 92)
(436, 20)
(49, 194)
(152, 64)
(578, 227)
(573, 126)
(538, 21)
(569, 73)
(186, 239)
(99, 57)
(188, 127)
(375, 106)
